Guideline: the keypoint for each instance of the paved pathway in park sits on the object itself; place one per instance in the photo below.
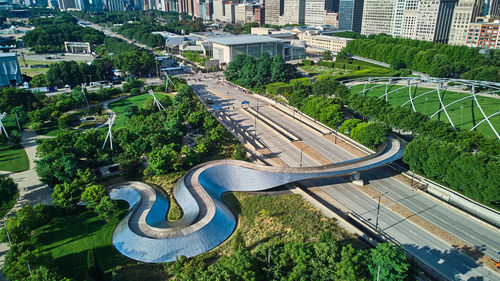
(31, 190)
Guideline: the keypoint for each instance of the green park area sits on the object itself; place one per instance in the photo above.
(464, 114)
(67, 237)
(121, 107)
(13, 158)
(344, 69)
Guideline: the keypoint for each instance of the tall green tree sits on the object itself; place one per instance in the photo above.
(391, 260)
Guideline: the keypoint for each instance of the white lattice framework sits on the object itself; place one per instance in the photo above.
(156, 101)
(438, 85)
(109, 136)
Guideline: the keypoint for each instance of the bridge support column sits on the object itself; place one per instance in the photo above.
(356, 179)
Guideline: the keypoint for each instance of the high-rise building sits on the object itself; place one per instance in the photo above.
(274, 9)
(378, 16)
(428, 20)
(350, 15)
(260, 15)
(314, 12)
(229, 12)
(490, 7)
(66, 4)
(243, 13)
(465, 12)
(331, 18)
(294, 12)
(332, 6)
(398, 17)
(115, 5)
(484, 35)
(218, 10)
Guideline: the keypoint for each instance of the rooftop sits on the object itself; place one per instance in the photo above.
(243, 40)
(7, 55)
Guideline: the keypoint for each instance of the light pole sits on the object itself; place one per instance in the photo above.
(301, 156)
(413, 172)
(7, 231)
(378, 208)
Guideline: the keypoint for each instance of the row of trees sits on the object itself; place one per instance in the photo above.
(50, 33)
(250, 72)
(439, 60)
(126, 57)
(169, 21)
(142, 32)
(73, 73)
(118, 17)
(471, 159)
(326, 259)
(476, 175)
(463, 160)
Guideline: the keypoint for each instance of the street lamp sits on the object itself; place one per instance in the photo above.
(7, 231)
(301, 156)
(378, 208)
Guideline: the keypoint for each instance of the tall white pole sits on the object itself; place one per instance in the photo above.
(7, 231)
(1, 124)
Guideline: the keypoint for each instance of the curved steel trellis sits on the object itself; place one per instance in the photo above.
(440, 84)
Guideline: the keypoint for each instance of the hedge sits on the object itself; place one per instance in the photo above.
(339, 65)
(326, 63)
(279, 88)
(304, 81)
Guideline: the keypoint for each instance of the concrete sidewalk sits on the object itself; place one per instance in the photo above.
(31, 190)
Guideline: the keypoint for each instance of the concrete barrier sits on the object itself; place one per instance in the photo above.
(272, 125)
(454, 198)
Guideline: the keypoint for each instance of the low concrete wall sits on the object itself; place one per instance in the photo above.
(445, 194)
(454, 198)
(273, 124)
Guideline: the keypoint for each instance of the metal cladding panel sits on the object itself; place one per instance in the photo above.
(208, 221)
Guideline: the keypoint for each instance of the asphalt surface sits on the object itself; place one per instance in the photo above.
(436, 253)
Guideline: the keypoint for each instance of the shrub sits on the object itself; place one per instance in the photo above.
(106, 208)
(93, 194)
(64, 121)
(307, 62)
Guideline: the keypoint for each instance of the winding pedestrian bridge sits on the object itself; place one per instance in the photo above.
(146, 235)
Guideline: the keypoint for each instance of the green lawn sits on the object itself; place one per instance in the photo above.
(13, 158)
(464, 114)
(119, 106)
(68, 237)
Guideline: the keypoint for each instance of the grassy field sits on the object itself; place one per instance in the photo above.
(13, 158)
(464, 114)
(284, 218)
(68, 237)
(120, 106)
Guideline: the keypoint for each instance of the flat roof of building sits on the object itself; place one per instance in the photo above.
(243, 40)
(6, 55)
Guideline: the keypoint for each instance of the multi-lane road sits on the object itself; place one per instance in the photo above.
(435, 251)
